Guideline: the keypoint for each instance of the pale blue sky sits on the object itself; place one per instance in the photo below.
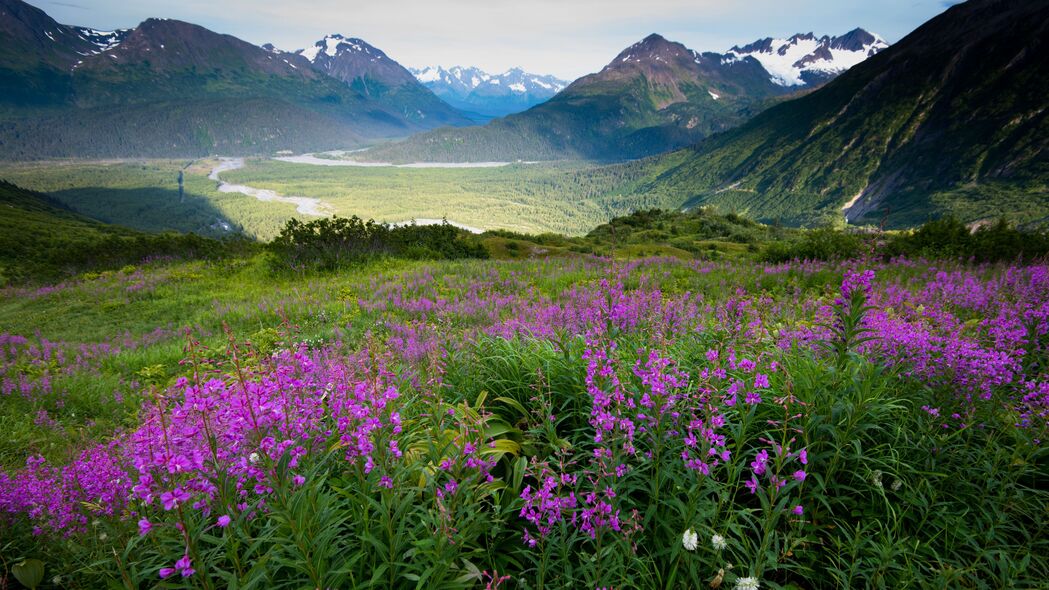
(567, 38)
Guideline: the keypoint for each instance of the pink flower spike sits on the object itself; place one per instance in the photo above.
(223, 521)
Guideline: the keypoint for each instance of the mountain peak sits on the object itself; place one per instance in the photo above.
(856, 40)
(806, 59)
(651, 49)
(654, 43)
(335, 44)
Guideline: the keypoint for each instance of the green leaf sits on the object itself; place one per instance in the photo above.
(30, 572)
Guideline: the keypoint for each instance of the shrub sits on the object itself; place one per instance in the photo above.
(817, 244)
(950, 238)
(332, 243)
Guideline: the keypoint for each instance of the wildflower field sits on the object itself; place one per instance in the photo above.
(575, 422)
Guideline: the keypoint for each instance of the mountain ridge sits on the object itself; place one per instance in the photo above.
(654, 96)
(490, 95)
(953, 119)
(171, 88)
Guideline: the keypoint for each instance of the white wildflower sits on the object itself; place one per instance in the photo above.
(690, 540)
(876, 478)
(746, 583)
(253, 458)
(718, 542)
(897, 484)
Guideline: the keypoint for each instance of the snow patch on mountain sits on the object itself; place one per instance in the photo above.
(103, 40)
(788, 60)
(335, 44)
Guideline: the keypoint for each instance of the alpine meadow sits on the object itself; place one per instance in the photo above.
(529, 297)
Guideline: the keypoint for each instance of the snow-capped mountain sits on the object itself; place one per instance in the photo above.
(491, 95)
(350, 59)
(805, 59)
(368, 70)
(654, 96)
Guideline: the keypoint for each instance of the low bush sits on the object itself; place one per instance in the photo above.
(331, 243)
(950, 238)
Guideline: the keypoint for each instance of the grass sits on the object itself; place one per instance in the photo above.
(892, 499)
(513, 356)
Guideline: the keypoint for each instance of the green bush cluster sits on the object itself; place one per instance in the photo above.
(950, 238)
(336, 242)
(817, 244)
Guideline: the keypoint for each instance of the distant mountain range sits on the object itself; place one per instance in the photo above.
(490, 95)
(953, 119)
(169, 88)
(656, 95)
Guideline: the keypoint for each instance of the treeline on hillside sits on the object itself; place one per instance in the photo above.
(942, 238)
(336, 242)
(41, 241)
(171, 130)
(706, 234)
(683, 229)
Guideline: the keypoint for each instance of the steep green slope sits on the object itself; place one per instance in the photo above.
(41, 240)
(656, 95)
(952, 119)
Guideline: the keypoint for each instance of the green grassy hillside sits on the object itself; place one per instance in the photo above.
(41, 239)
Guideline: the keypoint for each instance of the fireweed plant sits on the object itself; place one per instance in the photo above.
(562, 423)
